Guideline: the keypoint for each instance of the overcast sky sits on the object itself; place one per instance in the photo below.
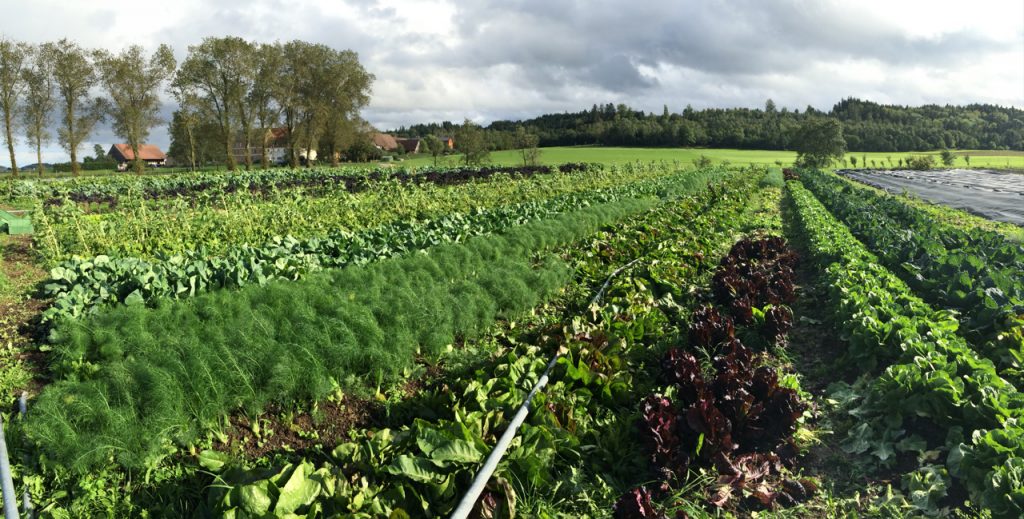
(509, 59)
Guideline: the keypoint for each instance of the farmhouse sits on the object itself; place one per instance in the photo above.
(385, 142)
(277, 147)
(149, 153)
(448, 141)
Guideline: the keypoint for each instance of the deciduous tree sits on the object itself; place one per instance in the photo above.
(133, 83)
(217, 69)
(434, 146)
(39, 101)
(818, 142)
(14, 58)
(286, 95)
(921, 162)
(947, 158)
(347, 90)
(469, 140)
(183, 124)
(270, 67)
(527, 144)
(328, 87)
(74, 75)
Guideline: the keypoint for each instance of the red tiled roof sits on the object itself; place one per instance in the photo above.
(146, 152)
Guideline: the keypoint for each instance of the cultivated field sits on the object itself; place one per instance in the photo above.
(719, 341)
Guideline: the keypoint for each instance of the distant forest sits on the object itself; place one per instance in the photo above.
(867, 126)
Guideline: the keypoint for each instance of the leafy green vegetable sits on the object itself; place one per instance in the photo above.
(925, 370)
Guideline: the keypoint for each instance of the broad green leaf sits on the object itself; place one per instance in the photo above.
(255, 498)
(416, 469)
(459, 451)
(135, 298)
(298, 491)
(213, 461)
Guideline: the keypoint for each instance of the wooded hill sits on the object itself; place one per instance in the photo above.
(867, 126)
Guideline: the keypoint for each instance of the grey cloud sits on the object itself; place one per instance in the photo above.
(738, 37)
(520, 58)
(618, 73)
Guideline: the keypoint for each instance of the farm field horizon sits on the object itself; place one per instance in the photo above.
(998, 159)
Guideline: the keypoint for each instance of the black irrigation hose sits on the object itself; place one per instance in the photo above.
(491, 463)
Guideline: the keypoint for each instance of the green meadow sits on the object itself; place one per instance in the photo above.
(610, 155)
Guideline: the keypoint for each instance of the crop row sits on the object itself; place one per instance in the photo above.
(149, 229)
(933, 380)
(81, 354)
(3, 277)
(137, 379)
(81, 286)
(577, 451)
(676, 234)
(978, 273)
(109, 190)
(738, 416)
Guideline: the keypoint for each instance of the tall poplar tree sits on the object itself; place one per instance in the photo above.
(217, 68)
(14, 57)
(74, 75)
(133, 82)
(39, 101)
(270, 64)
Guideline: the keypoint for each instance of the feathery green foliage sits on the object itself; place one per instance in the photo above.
(773, 178)
(138, 379)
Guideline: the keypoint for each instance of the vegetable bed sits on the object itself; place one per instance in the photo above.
(778, 344)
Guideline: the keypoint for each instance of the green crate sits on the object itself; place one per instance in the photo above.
(11, 224)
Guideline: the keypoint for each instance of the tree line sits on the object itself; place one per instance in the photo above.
(232, 89)
(867, 126)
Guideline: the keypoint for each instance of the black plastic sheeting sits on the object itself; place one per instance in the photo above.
(991, 194)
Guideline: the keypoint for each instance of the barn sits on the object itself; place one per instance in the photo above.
(385, 142)
(149, 153)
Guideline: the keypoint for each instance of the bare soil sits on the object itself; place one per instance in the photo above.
(19, 308)
(327, 427)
